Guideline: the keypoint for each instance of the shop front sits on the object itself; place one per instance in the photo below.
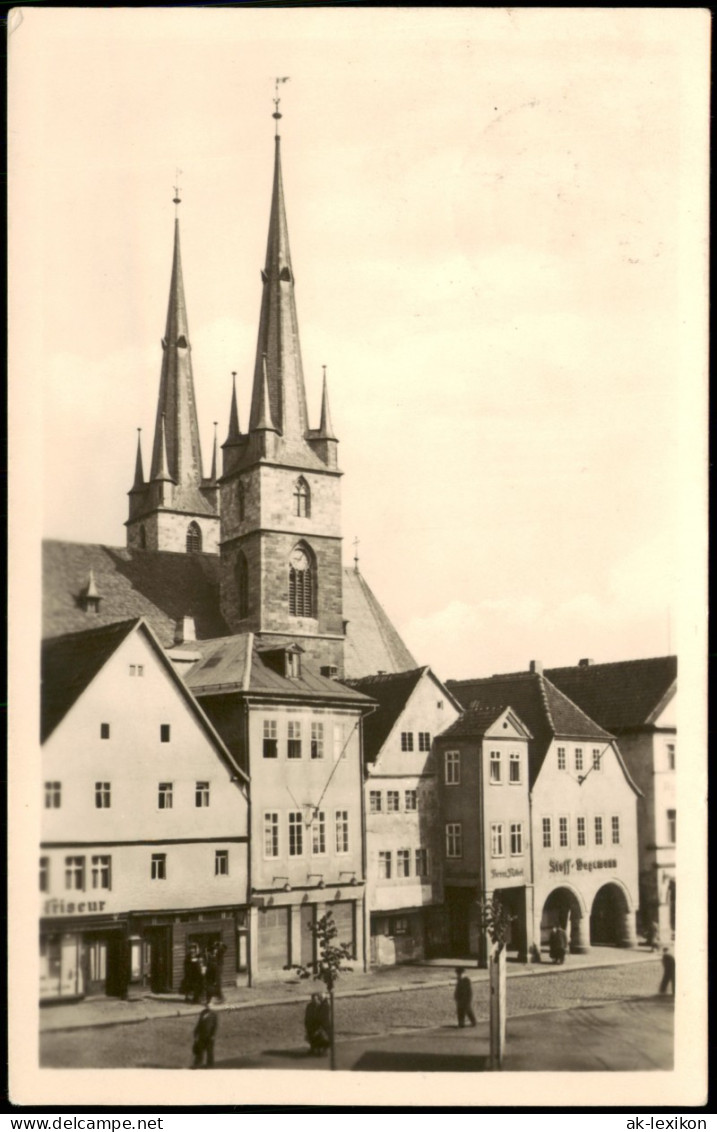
(590, 899)
(83, 958)
(282, 931)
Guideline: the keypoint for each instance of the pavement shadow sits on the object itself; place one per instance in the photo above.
(294, 1054)
(388, 1061)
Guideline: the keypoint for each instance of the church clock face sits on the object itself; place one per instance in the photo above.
(299, 559)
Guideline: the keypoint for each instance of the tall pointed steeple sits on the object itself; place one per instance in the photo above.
(138, 484)
(326, 429)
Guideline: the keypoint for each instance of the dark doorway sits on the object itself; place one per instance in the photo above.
(607, 917)
(158, 939)
(513, 900)
(102, 963)
(458, 906)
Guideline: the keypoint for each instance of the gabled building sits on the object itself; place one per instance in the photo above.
(404, 874)
(485, 809)
(297, 735)
(145, 821)
(636, 700)
(583, 811)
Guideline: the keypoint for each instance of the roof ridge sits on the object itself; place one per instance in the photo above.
(94, 630)
(609, 663)
(544, 696)
(575, 706)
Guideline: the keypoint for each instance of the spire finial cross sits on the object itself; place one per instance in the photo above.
(177, 200)
(276, 115)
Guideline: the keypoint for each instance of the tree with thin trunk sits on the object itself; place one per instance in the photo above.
(496, 923)
(329, 963)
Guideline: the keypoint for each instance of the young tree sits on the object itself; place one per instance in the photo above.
(496, 924)
(330, 962)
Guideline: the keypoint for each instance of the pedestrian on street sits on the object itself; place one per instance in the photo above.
(204, 1034)
(668, 971)
(193, 981)
(557, 944)
(316, 1025)
(652, 935)
(463, 995)
(215, 970)
(562, 944)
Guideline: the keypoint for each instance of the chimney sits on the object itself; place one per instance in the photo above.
(536, 666)
(185, 631)
(586, 662)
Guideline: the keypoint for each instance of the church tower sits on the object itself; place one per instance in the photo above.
(177, 508)
(281, 573)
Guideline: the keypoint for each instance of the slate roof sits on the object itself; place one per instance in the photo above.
(158, 585)
(622, 695)
(475, 720)
(543, 708)
(69, 664)
(392, 692)
(372, 643)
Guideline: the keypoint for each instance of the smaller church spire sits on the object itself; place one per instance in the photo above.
(234, 430)
(264, 420)
(326, 429)
(138, 468)
(162, 472)
(213, 477)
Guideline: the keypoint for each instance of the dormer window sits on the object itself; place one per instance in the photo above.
(293, 664)
(302, 498)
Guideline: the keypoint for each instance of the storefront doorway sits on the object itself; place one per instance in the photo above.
(102, 963)
(459, 902)
(513, 900)
(157, 940)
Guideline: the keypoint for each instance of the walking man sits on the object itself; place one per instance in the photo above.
(668, 971)
(464, 998)
(205, 1032)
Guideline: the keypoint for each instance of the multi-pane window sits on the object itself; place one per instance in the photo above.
(53, 795)
(497, 846)
(374, 801)
(597, 756)
(102, 872)
(410, 799)
(194, 539)
(104, 731)
(271, 834)
(516, 839)
(317, 740)
(271, 746)
(301, 585)
(136, 670)
(672, 826)
(424, 740)
(221, 863)
(296, 834)
(164, 732)
(302, 499)
(495, 768)
(293, 742)
(615, 829)
(342, 831)
(563, 833)
(562, 758)
(578, 758)
(44, 874)
(406, 740)
(670, 756)
(598, 831)
(384, 864)
(403, 862)
(103, 795)
(399, 925)
(421, 862)
(318, 833)
(165, 794)
(454, 839)
(547, 833)
(158, 867)
(392, 804)
(514, 767)
(581, 832)
(453, 768)
(75, 873)
(201, 795)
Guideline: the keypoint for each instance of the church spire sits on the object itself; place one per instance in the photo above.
(138, 484)
(326, 429)
(162, 470)
(234, 430)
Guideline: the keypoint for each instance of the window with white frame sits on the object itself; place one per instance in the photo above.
(597, 756)
(221, 862)
(547, 833)
(422, 862)
(165, 795)
(293, 739)
(158, 866)
(424, 740)
(342, 831)
(578, 758)
(296, 834)
(53, 795)
(384, 864)
(497, 839)
(374, 801)
(102, 872)
(670, 756)
(136, 670)
(317, 740)
(615, 829)
(403, 862)
(406, 740)
(598, 831)
(410, 800)
(271, 834)
(44, 874)
(103, 795)
(562, 758)
(454, 839)
(581, 832)
(75, 873)
(271, 745)
(453, 768)
(392, 801)
(516, 839)
(563, 833)
(201, 795)
(495, 767)
(514, 775)
(318, 833)
(672, 827)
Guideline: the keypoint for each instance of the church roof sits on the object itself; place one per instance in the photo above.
(621, 695)
(372, 643)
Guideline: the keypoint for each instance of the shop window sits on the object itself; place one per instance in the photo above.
(318, 833)
(563, 833)
(296, 834)
(75, 873)
(514, 775)
(406, 740)
(454, 839)
(374, 801)
(516, 839)
(384, 864)
(547, 833)
(317, 740)
(598, 831)
(102, 872)
(201, 795)
(104, 731)
(221, 863)
(342, 831)
(672, 826)
(293, 742)
(158, 868)
(53, 795)
(452, 768)
(392, 801)
(615, 829)
(495, 767)
(164, 732)
(271, 746)
(421, 862)
(165, 795)
(403, 862)
(497, 839)
(44, 874)
(103, 795)
(410, 798)
(424, 740)
(581, 832)
(271, 835)
(562, 759)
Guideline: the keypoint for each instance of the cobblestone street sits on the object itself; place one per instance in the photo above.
(251, 1032)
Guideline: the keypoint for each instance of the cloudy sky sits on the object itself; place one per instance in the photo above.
(497, 224)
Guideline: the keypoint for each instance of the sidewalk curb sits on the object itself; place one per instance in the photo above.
(530, 970)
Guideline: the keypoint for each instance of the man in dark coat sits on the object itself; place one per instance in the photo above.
(464, 998)
(317, 1023)
(215, 971)
(668, 971)
(204, 1034)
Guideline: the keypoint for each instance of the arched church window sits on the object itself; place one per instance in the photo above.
(194, 539)
(302, 498)
(242, 578)
(301, 584)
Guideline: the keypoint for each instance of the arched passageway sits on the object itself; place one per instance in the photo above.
(562, 909)
(612, 920)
